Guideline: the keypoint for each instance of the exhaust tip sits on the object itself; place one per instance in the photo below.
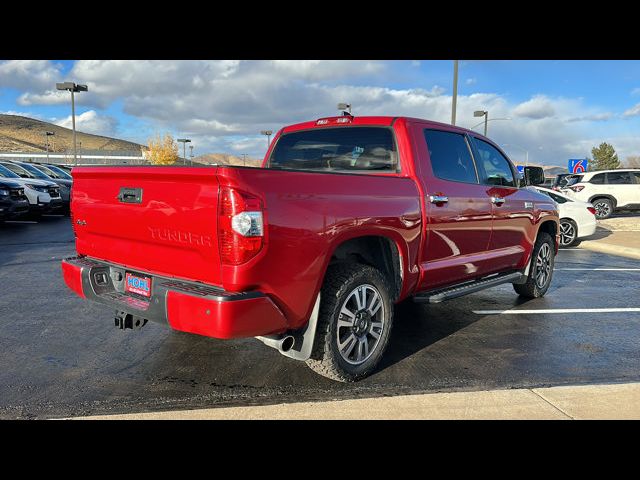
(287, 343)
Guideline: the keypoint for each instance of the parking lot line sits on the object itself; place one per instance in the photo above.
(603, 269)
(556, 310)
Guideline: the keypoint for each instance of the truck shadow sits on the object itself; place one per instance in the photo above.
(417, 326)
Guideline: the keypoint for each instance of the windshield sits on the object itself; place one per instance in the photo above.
(36, 173)
(344, 149)
(47, 171)
(17, 169)
(60, 172)
(5, 172)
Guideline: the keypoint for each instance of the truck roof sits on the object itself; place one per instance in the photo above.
(385, 120)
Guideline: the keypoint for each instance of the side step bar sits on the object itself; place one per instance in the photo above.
(437, 296)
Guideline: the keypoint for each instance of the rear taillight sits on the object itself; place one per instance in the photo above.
(592, 210)
(577, 188)
(240, 226)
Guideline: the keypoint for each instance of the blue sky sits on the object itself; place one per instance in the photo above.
(556, 109)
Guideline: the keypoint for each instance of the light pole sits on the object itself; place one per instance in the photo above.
(244, 159)
(526, 152)
(80, 143)
(485, 114)
(191, 154)
(72, 87)
(492, 120)
(47, 135)
(184, 142)
(454, 98)
(268, 134)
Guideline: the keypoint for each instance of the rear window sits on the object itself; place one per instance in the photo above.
(345, 149)
(573, 180)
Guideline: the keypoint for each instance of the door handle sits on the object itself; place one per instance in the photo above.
(497, 200)
(438, 198)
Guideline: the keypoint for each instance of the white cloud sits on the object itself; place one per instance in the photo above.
(635, 91)
(471, 81)
(29, 74)
(633, 111)
(538, 107)
(596, 117)
(49, 97)
(415, 63)
(91, 122)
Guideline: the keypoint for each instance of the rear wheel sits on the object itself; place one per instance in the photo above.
(356, 315)
(568, 233)
(541, 270)
(604, 208)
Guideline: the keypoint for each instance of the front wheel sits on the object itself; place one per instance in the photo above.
(541, 270)
(354, 323)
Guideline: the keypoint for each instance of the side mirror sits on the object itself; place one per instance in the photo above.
(533, 176)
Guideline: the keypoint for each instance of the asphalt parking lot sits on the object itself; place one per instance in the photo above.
(62, 356)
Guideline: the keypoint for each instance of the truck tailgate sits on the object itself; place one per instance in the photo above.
(166, 225)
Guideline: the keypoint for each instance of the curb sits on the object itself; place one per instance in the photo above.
(599, 246)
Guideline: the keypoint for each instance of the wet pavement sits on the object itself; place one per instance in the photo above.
(62, 356)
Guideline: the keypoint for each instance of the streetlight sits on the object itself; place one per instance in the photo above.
(454, 97)
(485, 114)
(526, 152)
(47, 135)
(345, 106)
(268, 134)
(72, 87)
(191, 153)
(244, 159)
(492, 120)
(184, 142)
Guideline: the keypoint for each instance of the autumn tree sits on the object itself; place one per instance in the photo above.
(604, 157)
(163, 150)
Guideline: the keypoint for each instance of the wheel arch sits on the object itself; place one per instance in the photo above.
(377, 250)
(603, 195)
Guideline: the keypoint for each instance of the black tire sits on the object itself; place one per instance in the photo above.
(604, 208)
(532, 288)
(568, 233)
(340, 283)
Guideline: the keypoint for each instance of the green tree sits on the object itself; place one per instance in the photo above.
(604, 157)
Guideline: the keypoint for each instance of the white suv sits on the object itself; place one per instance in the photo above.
(607, 190)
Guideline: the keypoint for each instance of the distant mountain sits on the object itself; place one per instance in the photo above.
(227, 159)
(27, 135)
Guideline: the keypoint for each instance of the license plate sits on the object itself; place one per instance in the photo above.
(137, 284)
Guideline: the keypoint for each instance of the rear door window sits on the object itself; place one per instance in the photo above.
(636, 175)
(343, 149)
(597, 179)
(619, 178)
(450, 156)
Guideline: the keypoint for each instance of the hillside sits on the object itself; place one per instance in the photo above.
(227, 159)
(26, 135)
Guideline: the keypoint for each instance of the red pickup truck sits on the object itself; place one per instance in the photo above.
(347, 216)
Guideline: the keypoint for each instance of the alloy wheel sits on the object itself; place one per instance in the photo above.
(360, 324)
(543, 265)
(567, 233)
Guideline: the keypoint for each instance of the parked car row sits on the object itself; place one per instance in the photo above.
(45, 188)
(607, 190)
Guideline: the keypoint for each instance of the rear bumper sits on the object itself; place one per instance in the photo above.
(586, 229)
(185, 306)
